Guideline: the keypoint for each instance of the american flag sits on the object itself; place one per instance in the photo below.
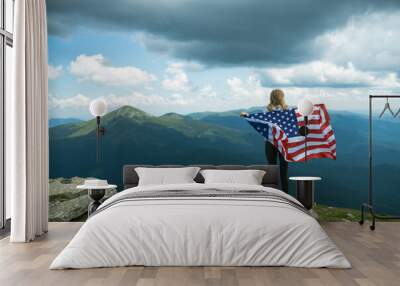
(281, 128)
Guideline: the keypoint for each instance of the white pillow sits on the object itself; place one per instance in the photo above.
(248, 177)
(166, 176)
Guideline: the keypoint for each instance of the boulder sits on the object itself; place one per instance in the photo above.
(66, 202)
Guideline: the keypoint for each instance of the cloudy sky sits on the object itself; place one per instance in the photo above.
(187, 56)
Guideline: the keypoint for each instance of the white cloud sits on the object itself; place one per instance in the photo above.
(176, 79)
(245, 89)
(75, 101)
(249, 92)
(181, 88)
(319, 73)
(55, 72)
(138, 99)
(207, 92)
(370, 41)
(95, 68)
(153, 102)
(335, 98)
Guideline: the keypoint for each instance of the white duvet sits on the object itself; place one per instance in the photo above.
(194, 231)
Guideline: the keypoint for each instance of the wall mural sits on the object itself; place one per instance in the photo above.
(175, 77)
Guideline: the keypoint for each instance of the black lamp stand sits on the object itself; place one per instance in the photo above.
(303, 132)
(100, 131)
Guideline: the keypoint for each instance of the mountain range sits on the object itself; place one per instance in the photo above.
(60, 121)
(135, 137)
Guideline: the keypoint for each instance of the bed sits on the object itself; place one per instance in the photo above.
(197, 224)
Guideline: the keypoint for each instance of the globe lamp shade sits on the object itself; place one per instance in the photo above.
(305, 107)
(98, 107)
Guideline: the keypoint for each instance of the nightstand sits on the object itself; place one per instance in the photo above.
(96, 193)
(305, 190)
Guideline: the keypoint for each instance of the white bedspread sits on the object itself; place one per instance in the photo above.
(200, 231)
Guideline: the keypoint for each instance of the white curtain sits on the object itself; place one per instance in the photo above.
(27, 124)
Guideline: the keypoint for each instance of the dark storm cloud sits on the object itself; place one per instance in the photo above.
(215, 32)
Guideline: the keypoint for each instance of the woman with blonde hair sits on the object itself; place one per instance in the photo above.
(276, 102)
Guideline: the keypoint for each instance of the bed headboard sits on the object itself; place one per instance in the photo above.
(271, 177)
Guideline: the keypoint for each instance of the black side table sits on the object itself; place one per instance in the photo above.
(305, 190)
(96, 193)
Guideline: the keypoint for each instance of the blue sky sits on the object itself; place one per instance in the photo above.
(190, 56)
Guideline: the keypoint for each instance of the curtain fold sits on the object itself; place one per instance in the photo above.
(27, 119)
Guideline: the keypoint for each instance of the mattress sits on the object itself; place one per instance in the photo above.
(201, 225)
